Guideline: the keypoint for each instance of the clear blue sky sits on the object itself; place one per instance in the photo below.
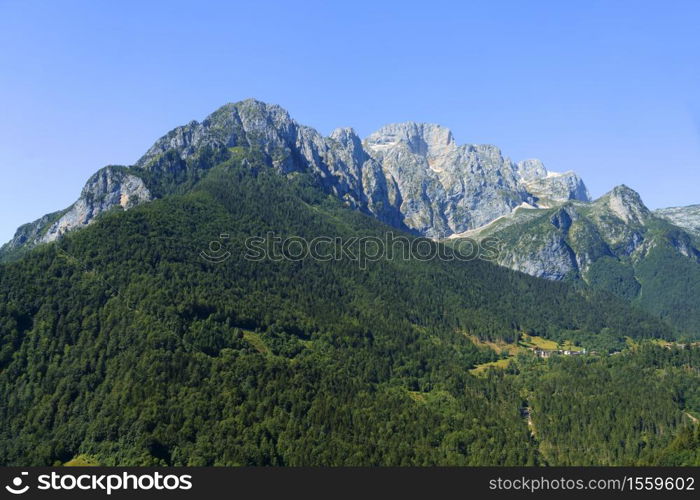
(609, 89)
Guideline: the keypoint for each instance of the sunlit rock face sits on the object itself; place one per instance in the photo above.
(411, 175)
(109, 188)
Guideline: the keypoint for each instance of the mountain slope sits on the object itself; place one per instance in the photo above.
(615, 244)
(687, 218)
(122, 343)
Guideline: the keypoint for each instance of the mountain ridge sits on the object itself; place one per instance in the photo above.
(410, 175)
(687, 217)
(415, 177)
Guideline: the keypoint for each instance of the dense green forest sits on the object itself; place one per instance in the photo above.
(122, 343)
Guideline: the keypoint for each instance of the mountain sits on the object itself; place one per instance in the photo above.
(446, 188)
(411, 176)
(121, 342)
(110, 188)
(137, 329)
(416, 178)
(686, 217)
(614, 243)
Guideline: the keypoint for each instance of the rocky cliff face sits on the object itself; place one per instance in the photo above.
(338, 162)
(449, 189)
(554, 188)
(445, 188)
(109, 188)
(412, 176)
(28, 235)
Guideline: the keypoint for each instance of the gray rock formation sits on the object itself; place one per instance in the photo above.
(410, 175)
(551, 188)
(625, 204)
(450, 189)
(548, 257)
(555, 188)
(339, 163)
(687, 218)
(445, 188)
(28, 235)
(109, 188)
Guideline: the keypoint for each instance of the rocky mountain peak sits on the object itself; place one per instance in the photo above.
(530, 170)
(344, 134)
(424, 139)
(626, 204)
(110, 187)
(347, 138)
(444, 188)
(256, 113)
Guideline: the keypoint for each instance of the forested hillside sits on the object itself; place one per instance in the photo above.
(122, 343)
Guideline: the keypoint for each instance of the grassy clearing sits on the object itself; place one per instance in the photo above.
(663, 343)
(254, 339)
(418, 397)
(500, 347)
(526, 344)
(500, 364)
(82, 461)
(529, 341)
